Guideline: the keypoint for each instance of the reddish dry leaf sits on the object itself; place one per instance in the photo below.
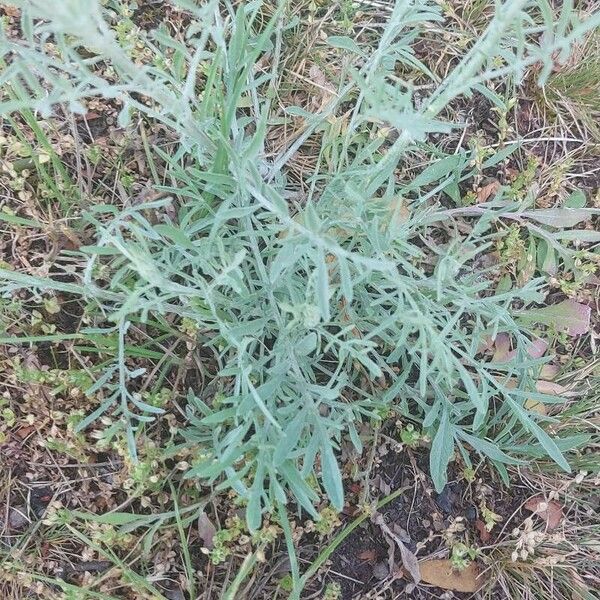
(549, 371)
(399, 213)
(501, 348)
(368, 555)
(511, 173)
(550, 388)
(546, 387)
(355, 488)
(485, 345)
(484, 534)
(442, 574)
(45, 549)
(537, 348)
(23, 432)
(483, 193)
(549, 510)
(350, 511)
(503, 353)
(326, 90)
(90, 115)
(570, 316)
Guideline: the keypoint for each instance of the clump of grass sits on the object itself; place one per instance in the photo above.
(560, 561)
(340, 307)
(573, 90)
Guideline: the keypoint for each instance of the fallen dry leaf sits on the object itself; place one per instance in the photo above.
(355, 488)
(537, 348)
(10, 10)
(549, 510)
(440, 573)
(535, 406)
(368, 555)
(23, 432)
(546, 387)
(326, 88)
(502, 351)
(206, 530)
(549, 371)
(550, 388)
(483, 193)
(409, 560)
(399, 212)
(484, 534)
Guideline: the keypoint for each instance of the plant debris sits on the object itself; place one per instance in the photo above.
(549, 510)
(442, 574)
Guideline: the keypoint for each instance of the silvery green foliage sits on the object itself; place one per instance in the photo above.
(302, 304)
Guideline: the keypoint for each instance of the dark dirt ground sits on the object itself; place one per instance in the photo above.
(420, 517)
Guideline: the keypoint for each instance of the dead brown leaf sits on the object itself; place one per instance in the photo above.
(503, 353)
(535, 406)
(439, 572)
(24, 432)
(369, 555)
(11, 10)
(409, 560)
(206, 530)
(550, 388)
(549, 510)
(549, 371)
(501, 348)
(484, 534)
(483, 193)
(537, 348)
(321, 82)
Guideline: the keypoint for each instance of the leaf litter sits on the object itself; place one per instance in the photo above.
(409, 559)
(206, 531)
(441, 573)
(549, 510)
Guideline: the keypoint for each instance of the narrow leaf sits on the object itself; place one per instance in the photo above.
(331, 476)
(442, 449)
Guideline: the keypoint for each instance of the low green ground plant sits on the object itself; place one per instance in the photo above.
(356, 298)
